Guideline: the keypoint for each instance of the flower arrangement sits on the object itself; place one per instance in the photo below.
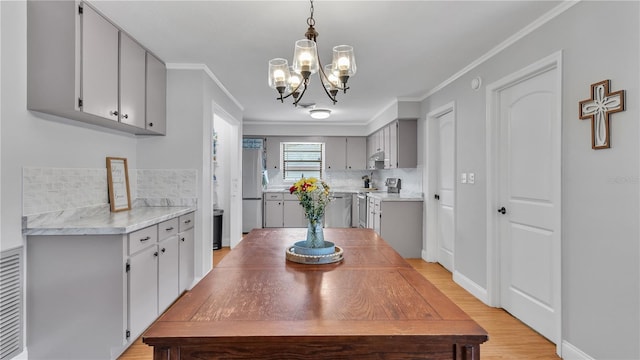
(314, 197)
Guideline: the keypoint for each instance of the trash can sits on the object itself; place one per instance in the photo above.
(217, 228)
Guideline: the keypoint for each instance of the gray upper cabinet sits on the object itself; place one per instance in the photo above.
(156, 92)
(272, 144)
(132, 82)
(398, 141)
(334, 152)
(82, 67)
(356, 153)
(99, 76)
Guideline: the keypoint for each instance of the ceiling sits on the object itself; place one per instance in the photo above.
(403, 49)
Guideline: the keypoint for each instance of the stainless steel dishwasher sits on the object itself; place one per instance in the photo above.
(338, 212)
(362, 210)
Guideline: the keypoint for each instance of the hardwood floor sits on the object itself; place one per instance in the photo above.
(508, 337)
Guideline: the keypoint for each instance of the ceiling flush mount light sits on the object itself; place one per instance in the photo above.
(293, 80)
(320, 113)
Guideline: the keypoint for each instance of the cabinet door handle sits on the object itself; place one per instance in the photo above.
(182, 239)
(145, 239)
(155, 253)
(150, 124)
(169, 228)
(187, 221)
(126, 116)
(113, 113)
(163, 250)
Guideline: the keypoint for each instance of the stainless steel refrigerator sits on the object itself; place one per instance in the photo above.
(252, 185)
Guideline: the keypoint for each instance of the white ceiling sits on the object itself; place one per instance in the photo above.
(403, 48)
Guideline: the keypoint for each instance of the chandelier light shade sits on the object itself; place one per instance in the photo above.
(331, 81)
(279, 75)
(305, 59)
(344, 62)
(293, 81)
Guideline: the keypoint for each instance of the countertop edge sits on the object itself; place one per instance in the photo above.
(377, 193)
(102, 222)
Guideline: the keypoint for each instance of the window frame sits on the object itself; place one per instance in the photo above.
(282, 159)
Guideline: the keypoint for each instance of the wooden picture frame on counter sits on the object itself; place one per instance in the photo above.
(118, 180)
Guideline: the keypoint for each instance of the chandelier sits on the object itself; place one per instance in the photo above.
(293, 80)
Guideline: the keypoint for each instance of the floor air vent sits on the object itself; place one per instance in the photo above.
(11, 303)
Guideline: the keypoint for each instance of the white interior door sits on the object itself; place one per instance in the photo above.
(528, 192)
(445, 189)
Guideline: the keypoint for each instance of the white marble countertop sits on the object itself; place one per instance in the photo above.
(99, 220)
(406, 196)
(333, 190)
(376, 193)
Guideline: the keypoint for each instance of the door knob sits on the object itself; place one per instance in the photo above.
(436, 196)
(502, 210)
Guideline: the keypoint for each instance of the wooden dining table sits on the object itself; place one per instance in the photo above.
(256, 304)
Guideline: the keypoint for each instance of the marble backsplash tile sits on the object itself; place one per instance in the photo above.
(166, 183)
(54, 189)
(57, 189)
(411, 178)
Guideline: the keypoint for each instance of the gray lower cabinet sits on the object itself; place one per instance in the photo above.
(399, 223)
(187, 252)
(293, 213)
(168, 277)
(168, 261)
(273, 210)
(283, 210)
(91, 296)
(143, 289)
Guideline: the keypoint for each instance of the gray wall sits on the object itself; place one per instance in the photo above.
(191, 95)
(600, 189)
(31, 139)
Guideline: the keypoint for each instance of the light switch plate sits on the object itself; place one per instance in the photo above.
(463, 178)
(472, 178)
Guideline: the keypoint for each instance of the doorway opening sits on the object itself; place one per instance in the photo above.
(225, 177)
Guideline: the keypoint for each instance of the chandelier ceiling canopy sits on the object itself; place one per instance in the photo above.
(293, 80)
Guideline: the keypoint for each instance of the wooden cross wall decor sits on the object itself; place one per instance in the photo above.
(598, 108)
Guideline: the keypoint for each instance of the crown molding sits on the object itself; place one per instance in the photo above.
(551, 14)
(205, 68)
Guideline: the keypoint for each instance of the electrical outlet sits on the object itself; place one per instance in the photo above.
(472, 178)
(463, 178)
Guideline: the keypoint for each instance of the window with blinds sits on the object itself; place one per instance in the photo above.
(302, 159)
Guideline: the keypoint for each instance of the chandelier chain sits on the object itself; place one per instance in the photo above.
(310, 20)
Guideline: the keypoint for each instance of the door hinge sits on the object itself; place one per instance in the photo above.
(127, 267)
(79, 102)
(80, 9)
(127, 334)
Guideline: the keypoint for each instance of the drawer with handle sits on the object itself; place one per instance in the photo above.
(273, 196)
(142, 238)
(168, 228)
(186, 221)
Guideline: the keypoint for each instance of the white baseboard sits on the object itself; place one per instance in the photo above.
(570, 352)
(473, 288)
